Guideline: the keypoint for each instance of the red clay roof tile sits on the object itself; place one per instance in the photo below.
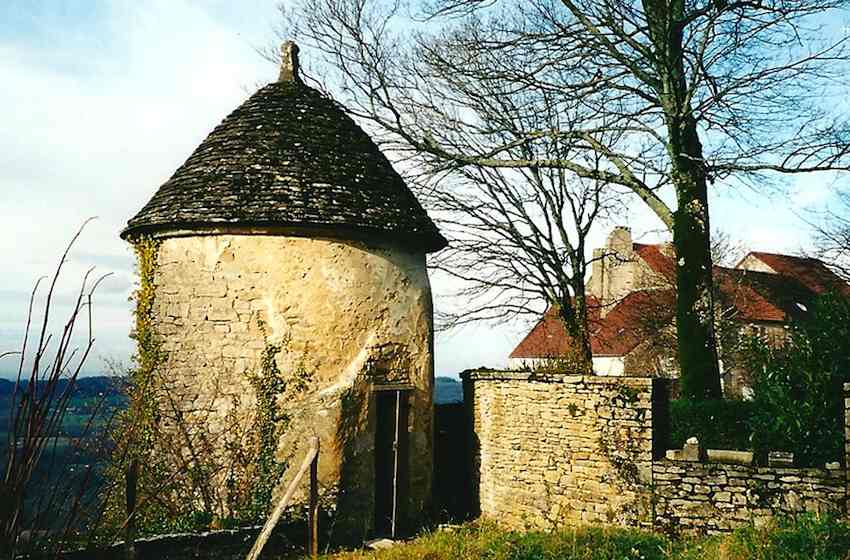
(753, 296)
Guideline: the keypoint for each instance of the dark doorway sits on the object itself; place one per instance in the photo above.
(452, 485)
(390, 461)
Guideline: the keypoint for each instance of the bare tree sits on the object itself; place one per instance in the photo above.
(517, 237)
(832, 236)
(693, 92)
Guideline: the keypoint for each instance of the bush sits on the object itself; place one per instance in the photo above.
(798, 404)
(718, 424)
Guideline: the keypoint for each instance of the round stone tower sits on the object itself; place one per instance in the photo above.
(288, 246)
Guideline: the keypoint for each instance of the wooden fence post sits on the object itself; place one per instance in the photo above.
(263, 537)
(313, 514)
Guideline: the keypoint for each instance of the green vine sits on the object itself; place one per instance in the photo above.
(178, 486)
(271, 422)
(629, 394)
(149, 354)
(133, 433)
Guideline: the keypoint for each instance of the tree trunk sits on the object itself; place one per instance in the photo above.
(699, 371)
(573, 315)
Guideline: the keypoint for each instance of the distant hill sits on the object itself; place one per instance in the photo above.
(447, 390)
(85, 387)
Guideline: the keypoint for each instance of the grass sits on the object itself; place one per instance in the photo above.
(806, 538)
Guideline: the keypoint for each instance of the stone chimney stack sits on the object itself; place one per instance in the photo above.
(612, 271)
(289, 65)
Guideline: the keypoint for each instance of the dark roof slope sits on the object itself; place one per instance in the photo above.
(811, 272)
(290, 157)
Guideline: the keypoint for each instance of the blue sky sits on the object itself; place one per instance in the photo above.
(101, 101)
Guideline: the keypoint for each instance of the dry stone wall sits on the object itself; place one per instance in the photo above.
(549, 450)
(715, 498)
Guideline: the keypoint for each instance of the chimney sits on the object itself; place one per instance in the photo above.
(620, 241)
(611, 271)
(289, 67)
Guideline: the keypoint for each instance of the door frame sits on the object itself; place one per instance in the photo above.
(402, 392)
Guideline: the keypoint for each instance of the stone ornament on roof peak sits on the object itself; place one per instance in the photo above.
(289, 65)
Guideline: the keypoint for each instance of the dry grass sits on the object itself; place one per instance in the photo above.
(807, 538)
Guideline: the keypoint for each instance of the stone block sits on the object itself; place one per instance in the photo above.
(780, 459)
(730, 457)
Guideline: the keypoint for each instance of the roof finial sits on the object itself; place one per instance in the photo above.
(289, 62)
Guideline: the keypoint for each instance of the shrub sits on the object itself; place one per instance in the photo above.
(797, 403)
(719, 424)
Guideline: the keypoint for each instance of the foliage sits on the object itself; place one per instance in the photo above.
(806, 537)
(270, 422)
(798, 404)
(191, 476)
(718, 424)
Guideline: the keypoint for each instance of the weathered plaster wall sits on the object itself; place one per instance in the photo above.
(751, 262)
(549, 450)
(348, 314)
(716, 498)
(609, 365)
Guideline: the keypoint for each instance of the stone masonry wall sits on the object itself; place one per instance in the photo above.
(715, 498)
(553, 450)
(349, 314)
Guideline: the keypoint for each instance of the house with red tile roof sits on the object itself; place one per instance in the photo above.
(632, 297)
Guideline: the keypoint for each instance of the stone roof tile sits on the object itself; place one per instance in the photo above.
(290, 157)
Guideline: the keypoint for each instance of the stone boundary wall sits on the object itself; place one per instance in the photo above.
(716, 498)
(227, 544)
(551, 450)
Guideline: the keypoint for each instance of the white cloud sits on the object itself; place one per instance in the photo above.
(96, 124)
(103, 102)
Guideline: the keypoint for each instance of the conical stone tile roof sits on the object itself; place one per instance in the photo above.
(290, 158)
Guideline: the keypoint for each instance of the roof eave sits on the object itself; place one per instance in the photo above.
(426, 242)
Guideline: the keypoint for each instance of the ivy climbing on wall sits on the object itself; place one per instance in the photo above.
(190, 478)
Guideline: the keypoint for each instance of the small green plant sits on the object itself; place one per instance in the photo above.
(270, 423)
